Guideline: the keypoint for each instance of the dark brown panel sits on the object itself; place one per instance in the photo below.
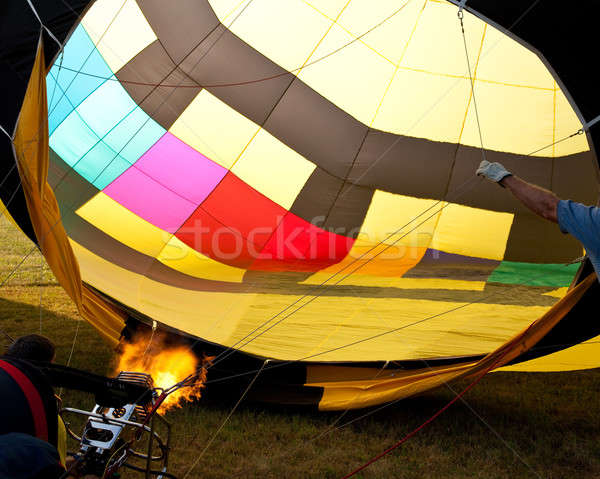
(437, 264)
(180, 26)
(317, 129)
(535, 240)
(575, 177)
(71, 189)
(153, 66)
(331, 204)
(224, 59)
(400, 164)
(467, 189)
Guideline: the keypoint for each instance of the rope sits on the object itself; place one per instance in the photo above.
(212, 438)
(507, 350)
(462, 28)
(60, 45)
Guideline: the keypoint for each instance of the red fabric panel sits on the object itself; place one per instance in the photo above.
(233, 224)
(33, 397)
(298, 245)
(239, 226)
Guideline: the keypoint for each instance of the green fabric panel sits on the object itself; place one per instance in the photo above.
(534, 274)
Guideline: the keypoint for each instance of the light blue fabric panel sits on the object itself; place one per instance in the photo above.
(82, 149)
(102, 165)
(134, 135)
(71, 88)
(72, 139)
(106, 107)
(95, 125)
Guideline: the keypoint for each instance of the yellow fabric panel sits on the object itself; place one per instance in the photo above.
(32, 150)
(227, 9)
(4, 212)
(357, 393)
(391, 38)
(365, 393)
(566, 123)
(330, 8)
(119, 30)
(123, 225)
(426, 106)
(214, 320)
(140, 235)
(585, 355)
(472, 232)
(61, 443)
(113, 280)
(412, 84)
(512, 119)
(273, 168)
(358, 279)
(558, 292)
(445, 54)
(355, 78)
(407, 213)
(293, 20)
(214, 129)
(504, 60)
(179, 256)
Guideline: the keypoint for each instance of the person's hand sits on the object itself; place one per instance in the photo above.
(492, 171)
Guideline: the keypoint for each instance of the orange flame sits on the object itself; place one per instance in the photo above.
(167, 364)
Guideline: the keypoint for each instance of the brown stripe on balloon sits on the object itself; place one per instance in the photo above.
(152, 66)
(181, 26)
(329, 203)
(224, 58)
(71, 189)
(403, 165)
(535, 240)
(437, 264)
(125, 257)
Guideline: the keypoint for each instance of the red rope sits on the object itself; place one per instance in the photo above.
(438, 413)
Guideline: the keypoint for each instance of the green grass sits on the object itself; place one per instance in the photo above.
(551, 420)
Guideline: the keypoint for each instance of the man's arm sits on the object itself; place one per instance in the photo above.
(539, 200)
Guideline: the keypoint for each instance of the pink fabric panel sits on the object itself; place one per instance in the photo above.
(181, 168)
(148, 199)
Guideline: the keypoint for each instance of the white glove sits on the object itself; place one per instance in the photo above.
(493, 171)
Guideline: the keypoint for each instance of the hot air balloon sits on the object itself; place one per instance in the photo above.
(291, 184)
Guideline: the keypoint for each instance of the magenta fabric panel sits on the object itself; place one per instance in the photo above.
(180, 168)
(150, 200)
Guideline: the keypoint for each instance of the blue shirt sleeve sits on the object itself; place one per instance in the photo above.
(583, 222)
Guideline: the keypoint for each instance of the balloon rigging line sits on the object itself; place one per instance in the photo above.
(324, 287)
(505, 350)
(86, 58)
(248, 82)
(358, 341)
(471, 81)
(212, 438)
(68, 363)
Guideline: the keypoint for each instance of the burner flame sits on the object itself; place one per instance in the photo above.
(167, 364)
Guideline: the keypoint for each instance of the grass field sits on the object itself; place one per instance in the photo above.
(510, 424)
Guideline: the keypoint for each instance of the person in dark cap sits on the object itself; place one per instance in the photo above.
(32, 347)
